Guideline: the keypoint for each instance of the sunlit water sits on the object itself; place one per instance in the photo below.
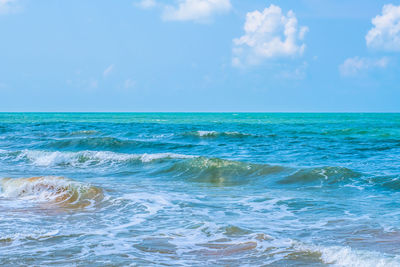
(200, 189)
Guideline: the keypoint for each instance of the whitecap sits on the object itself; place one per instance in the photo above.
(349, 257)
(59, 191)
(85, 158)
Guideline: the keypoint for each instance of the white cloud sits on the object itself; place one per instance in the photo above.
(129, 83)
(269, 34)
(108, 70)
(385, 35)
(196, 10)
(146, 4)
(355, 65)
(8, 6)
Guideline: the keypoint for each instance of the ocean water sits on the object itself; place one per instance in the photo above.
(165, 189)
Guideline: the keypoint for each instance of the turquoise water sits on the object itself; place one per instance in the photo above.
(154, 189)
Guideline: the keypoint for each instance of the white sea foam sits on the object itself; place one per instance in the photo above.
(86, 158)
(348, 257)
(85, 132)
(215, 134)
(37, 234)
(206, 133)
(152, 204)
(151, 157)
(25, 188)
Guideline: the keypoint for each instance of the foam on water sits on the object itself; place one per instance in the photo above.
(31, 235)
(84, 158)
(214, 134)
(206, 133)
(348, 257)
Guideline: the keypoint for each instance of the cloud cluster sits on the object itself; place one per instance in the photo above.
(385, 35)
(356, 65)
(8, 6)
(269, 34)
(196, 10)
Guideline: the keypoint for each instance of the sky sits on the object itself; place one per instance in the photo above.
(200, 55)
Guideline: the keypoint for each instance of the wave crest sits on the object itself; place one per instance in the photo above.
(52, 190)
(346, 256)
(85, 158)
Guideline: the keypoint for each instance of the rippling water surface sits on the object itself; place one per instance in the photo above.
(199, 189)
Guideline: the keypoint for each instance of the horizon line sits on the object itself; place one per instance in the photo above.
(183, 112)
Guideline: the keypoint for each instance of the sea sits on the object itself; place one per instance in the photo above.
(199, 189)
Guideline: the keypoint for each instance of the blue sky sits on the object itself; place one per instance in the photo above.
(200, 55)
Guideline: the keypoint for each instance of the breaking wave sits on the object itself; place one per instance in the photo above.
(52, 191)
(84, 158)
(346, 256)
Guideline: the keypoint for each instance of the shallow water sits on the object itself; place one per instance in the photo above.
(193, 189)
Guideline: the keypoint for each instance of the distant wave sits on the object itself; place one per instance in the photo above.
(83, 133)
(51, 190)
(214, 134)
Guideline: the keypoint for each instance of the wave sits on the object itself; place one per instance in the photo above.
(328, 175)
(52, 190)
(83, 133)
(346, 256)
(223, 172)
(84, 158)
(219, 172)
(194, 168)
(325, 176)
(214, 171)
(110, 143)
(385, 182)
(214, 134)
(28, 234)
